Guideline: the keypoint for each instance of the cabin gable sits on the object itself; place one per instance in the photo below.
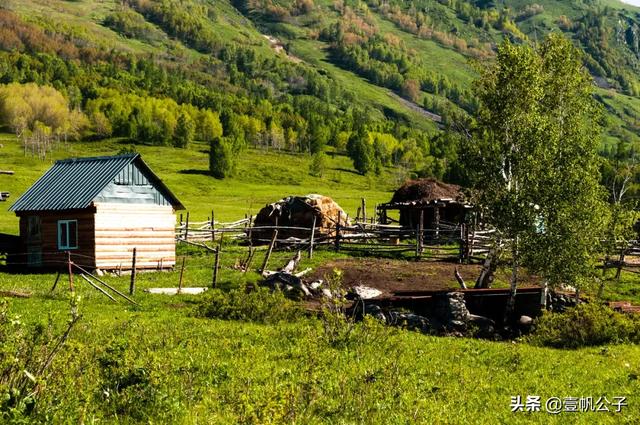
(132, 185)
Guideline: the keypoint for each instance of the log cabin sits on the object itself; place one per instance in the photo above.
(98, 209)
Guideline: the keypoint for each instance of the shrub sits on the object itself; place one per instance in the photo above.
(259, 305)
(585, 325)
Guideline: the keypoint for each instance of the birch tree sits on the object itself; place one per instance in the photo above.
(534, 157)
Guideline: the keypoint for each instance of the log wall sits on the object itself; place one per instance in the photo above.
(121, 227)
(52, 257)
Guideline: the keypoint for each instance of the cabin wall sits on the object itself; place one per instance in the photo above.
(45, 244)
(121, 227)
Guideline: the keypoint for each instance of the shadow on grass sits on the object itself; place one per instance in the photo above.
(196, 172)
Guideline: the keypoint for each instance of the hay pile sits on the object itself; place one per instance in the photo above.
(299, 211)
(427, 190)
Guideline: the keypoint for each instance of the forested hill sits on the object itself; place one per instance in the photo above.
(390, 82)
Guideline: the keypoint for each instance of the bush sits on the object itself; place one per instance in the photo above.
(259, 305)
(585, 325)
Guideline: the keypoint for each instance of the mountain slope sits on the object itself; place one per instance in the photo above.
(301, 74)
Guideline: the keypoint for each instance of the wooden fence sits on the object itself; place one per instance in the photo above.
(447, 241)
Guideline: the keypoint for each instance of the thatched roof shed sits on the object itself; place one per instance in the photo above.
(436, 201)
(297, 213)
(427, 191)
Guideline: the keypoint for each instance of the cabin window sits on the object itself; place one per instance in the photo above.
(67, 234)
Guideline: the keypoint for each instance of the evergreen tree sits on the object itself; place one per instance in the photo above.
(221, 158)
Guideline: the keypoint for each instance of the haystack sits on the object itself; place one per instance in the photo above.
(299, 211)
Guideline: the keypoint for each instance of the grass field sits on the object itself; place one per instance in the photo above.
(160, 362)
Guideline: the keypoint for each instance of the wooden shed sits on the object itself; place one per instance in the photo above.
(435, 201)
(99, 209)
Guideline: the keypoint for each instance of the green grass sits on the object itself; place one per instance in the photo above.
(214, 371)
(261, 177)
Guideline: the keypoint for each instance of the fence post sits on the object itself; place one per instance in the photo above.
(364, 210)
(69, 265)
(216, 266)
(132, 285)
(311, 240)
(337, 241)
(420, 235)
(213, 227)
(186, 228)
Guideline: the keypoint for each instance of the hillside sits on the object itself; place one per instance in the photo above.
(304, 75)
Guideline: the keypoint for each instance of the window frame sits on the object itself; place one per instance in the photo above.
(65, 224)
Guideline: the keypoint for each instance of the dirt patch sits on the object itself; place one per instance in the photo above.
(389, 276)
(395, 275)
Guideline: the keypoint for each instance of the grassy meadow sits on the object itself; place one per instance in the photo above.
(161, 362)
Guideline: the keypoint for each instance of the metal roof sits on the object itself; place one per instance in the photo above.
(74, 183)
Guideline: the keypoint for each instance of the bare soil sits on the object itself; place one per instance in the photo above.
(389, 276)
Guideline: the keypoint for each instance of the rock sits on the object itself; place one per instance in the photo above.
(375, 311)
(409, 321)
(451, 312)
(525, 321)
(365, 292)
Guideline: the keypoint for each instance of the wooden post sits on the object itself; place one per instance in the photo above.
(70, 268)
(216, 266)
(337, 240)
(311, 239)
(420, 235)
(436, 214)
(213, 227)
(467, 248)
(132, 285)
(184, 259)
(364, 210)
(462, 249)
(266, 257)
(186, 228)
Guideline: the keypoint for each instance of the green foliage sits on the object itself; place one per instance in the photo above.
(318, 165)
(185, 131)
(221, 158)
(361, 151)
(585, 325)
(535, 156)
(259, 305)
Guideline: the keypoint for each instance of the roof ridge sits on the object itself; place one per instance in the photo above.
(98, 158)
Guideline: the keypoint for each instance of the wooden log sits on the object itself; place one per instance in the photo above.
(132, 283)
(97, 287)
(265, 263)
(292, 264)
(105, 284)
